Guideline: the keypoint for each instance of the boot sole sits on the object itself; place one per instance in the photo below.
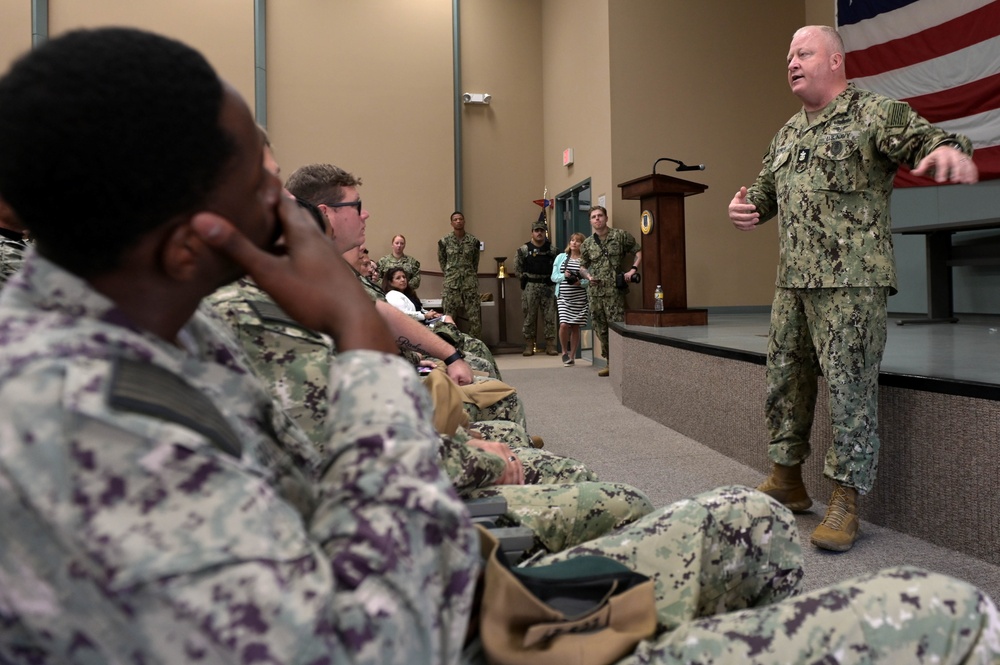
(799, 506)
(835, 547)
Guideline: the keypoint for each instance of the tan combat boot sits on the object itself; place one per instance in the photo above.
(785, 485)
(604, 371)
(529, 347)
(551, 349)
(537, 442)
(841, 527)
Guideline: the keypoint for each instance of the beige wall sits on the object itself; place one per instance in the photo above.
(223, 31)
(502, 146)
(368, 86)
(703, 83)
(577, 77)
(15, 30)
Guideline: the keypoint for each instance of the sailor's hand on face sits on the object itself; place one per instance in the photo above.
(309, 280)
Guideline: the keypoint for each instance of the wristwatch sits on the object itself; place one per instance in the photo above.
(458, 355)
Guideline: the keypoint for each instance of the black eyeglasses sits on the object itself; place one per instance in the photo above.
(346, 204)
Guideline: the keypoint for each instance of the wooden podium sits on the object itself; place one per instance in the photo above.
(663, 250)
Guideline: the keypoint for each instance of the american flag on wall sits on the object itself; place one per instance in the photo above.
(940, 56)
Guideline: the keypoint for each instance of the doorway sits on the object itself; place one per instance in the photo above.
(572, 215)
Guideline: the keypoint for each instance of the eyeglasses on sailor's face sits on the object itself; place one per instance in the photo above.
(346, 204)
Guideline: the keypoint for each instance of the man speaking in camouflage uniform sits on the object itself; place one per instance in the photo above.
(154, 507)
(533, 263)
(458, 254)
(827, 175)
(601, 259)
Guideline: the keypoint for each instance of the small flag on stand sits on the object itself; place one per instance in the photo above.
(546, 203)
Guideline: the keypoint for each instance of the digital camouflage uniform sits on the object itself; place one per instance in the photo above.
(12, 250)
(477, 354)
(294, 363)
(607, 303)
(459, 259)
(726, 565)
(409, 265)
(509, 408)
(561, 500)
(149, 514)
(829, 183)
(533, 265)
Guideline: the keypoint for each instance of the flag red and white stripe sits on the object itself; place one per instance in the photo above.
(940, 56)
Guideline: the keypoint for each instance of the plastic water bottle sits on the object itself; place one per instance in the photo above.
(658, 298)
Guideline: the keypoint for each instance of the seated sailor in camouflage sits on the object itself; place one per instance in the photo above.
(147, 509)
(334, 192)
(533, 265)
(13, 243)
(148, 512)
(602, 257)
(417, 337)
(295, 362)
(458, 255)
(473, 351)
(398, 259)
(828, 176)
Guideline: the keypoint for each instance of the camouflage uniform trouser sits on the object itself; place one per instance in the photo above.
(535, 299)
(476, 348)
(502, 430)
(841, 332)
(563, 502)
(509, 408)
(605, 309)
(464, 301)
(726, 563)
(899, 615)
(477, 354)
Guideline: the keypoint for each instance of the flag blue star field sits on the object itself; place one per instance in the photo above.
(940, 56)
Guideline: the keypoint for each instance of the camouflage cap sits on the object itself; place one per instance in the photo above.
(539, 224)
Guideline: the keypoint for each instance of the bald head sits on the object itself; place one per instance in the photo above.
(816, 71)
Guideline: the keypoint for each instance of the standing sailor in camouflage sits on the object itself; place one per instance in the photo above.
(398, 259)
(533, 264)
(12, 242)
(828, 175)
(458, 254)
(150, 510)
(602, 258)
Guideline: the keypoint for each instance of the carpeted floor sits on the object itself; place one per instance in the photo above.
(578, 415)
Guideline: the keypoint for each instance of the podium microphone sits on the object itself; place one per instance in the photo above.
(681, 166)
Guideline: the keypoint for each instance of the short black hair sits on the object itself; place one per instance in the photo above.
(105, 135)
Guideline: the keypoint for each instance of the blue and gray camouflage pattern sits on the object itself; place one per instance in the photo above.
(138, 527)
